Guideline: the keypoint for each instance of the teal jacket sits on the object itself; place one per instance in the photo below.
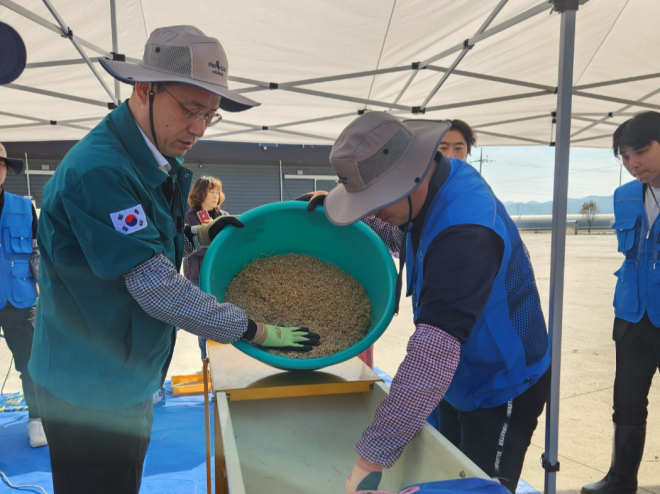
(103, 214)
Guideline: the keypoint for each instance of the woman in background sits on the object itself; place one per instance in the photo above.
(204, 200)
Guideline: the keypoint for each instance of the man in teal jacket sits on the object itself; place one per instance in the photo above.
(112, 239)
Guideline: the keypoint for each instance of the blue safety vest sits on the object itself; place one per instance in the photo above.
(17, 285)
(638, 279)
(508, 350)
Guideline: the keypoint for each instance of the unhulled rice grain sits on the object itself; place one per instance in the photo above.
(299, 290)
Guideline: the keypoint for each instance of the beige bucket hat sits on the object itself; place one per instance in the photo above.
(14, 166)
(379, 160)
(182, 54)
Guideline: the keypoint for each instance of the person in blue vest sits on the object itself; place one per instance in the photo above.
(636, 298)
(19, 262)
(480, 342)
(112, 238)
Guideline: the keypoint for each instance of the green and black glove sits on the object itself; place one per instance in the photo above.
(283, 338)
(208, 231)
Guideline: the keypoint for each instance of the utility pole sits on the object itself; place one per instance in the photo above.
(481, 160)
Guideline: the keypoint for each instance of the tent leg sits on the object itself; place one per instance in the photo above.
(115, 44)
(568, 9)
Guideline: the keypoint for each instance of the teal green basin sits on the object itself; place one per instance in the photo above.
(285, 228)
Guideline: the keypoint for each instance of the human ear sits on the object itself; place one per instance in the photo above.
(142, 90)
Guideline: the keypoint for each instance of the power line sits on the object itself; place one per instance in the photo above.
(481, 160)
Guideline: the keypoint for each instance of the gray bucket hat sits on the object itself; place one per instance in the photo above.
(182, 54)
(380, 160)
(14, 166)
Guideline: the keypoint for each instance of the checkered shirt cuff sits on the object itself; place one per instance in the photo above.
(188, 247)
(417, 388)
(390, 235)
(35, 257)
(167, 296)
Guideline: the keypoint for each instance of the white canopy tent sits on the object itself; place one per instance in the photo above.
(508, 67)
(492, 63)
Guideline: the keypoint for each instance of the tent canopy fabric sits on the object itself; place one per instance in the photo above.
(314, 64)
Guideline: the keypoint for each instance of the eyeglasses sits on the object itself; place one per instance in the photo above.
(192, 116)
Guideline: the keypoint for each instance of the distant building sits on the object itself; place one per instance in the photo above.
(251, 174)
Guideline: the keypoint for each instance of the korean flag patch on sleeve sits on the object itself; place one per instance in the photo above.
(129, 220)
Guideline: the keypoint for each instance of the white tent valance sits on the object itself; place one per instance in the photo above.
(314, 64)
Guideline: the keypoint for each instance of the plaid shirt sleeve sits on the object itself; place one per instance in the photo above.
(390, 235)
(188, 247)
(167, 296)
(417, 388)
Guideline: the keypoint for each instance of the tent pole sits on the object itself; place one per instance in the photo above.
(466, 48)
(66, 33)
(485, 77)
(617, 81)
(280, 131)
(115, 44)
(41, 121)
(618, 112)
(593, 138)
(487, 101)
(27, 176)
(623, 101)
(49, 25)
(513, 120)
(542, 7)
(568, 9)
(54, 94)
(515, 138)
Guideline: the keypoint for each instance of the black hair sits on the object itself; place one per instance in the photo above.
(637, 132)
(466, 131)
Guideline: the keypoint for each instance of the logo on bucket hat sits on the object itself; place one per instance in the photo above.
(379, 160)
(181, 54)
(219, 69)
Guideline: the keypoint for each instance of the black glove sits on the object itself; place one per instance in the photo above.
(311, 204)
(208, 231)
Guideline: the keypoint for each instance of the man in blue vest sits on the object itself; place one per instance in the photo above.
(480, 341)
(19, 263)
(636, 298)
(112, 239)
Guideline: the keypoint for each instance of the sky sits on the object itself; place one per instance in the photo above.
(525, 173)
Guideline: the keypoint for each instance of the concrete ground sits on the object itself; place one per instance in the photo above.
(587, 365)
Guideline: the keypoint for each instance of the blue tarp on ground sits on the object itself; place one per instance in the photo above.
(175, 463)
(176, 459)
